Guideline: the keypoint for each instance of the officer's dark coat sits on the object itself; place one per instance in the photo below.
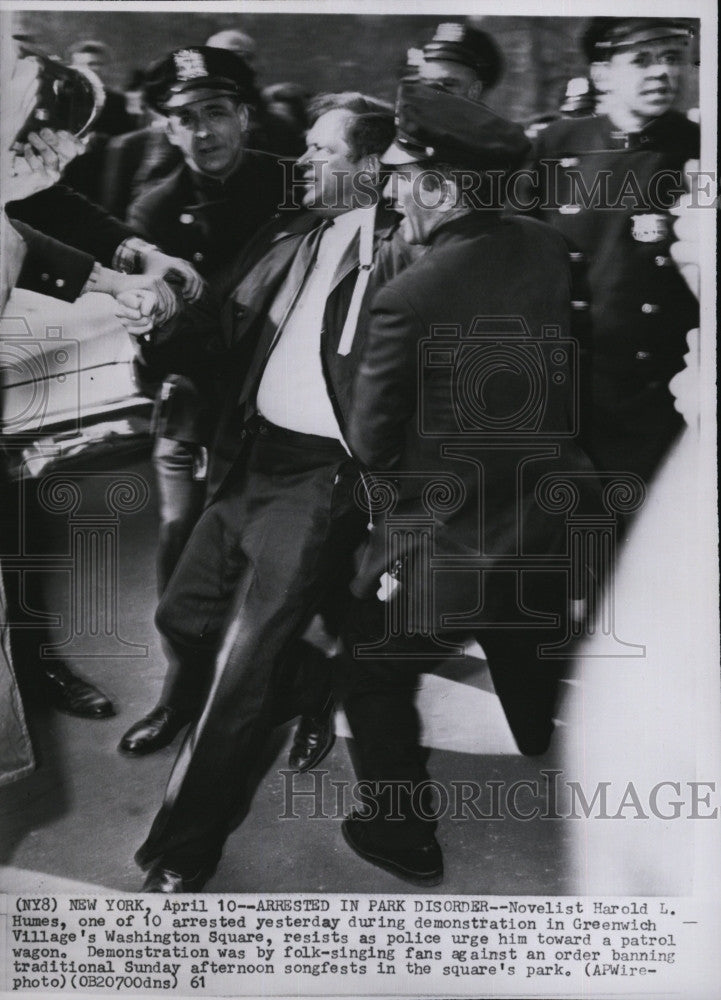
(66, 216)
(456, 363)
(640, 306)
(205, 221)
(208, 223)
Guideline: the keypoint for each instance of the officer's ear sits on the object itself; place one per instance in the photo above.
(170, 131)
(243, 116)
(449, 193)
(599, 73)
(475, 91)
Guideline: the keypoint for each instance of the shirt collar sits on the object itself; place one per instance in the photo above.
(349, 222)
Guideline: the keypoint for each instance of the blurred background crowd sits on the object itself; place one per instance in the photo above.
(294, 57)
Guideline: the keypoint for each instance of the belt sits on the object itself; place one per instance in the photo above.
(263, 429)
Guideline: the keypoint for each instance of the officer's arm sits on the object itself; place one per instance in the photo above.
(385, 387)
(51, 267)
(69, 217)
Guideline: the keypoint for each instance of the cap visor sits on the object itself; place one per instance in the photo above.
(396, 155)
(192, 95)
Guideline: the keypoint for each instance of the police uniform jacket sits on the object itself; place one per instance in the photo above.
(464, 401)
(245, 335)
(640, 307)
(207, 221)
(51, 267)
(67, 216)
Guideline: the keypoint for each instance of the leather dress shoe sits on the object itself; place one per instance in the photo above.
(313, 739)
(420, 865)
(153, 732)
(70, 693)
(160, 879)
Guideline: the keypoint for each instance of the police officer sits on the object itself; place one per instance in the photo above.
(205, 211)
(459, 59)
(607, 182)
(438, 383)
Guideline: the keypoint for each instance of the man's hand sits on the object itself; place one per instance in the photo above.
(39, 163)
(143, 302)
(685, 386)
(157, 264)
(136, 309)
(686, 249)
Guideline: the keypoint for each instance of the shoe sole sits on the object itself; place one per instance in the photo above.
(317, 760)
(414, 878)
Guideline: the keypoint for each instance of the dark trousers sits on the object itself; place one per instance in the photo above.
(180, 500)
(262, 560)
(379, 699)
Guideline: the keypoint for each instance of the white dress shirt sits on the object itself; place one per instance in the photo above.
(292, 391)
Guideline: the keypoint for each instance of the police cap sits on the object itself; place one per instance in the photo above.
(606, 35)
(194, 74)
(434, 125)
(462, 43)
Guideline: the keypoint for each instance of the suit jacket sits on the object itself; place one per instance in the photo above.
(245, 335)
(469, 381)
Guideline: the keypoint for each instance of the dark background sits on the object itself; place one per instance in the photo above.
(333, 51)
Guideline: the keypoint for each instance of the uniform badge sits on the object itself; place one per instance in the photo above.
(649, 228)
(449, 31)
(190, 64)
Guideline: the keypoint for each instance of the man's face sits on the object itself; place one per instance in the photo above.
(413, 192)
(644, 80)
(210, 134)
(452, 77)
(328, 167)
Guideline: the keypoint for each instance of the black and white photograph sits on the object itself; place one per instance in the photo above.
(358, 499)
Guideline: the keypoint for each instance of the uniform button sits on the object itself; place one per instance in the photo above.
(240, 311)
(643, 355)
(198, 257)
(186, 218)
(644, 140)
(569, 209)
(579, 305)
(59, 283)
(576, 256)
(649, 308)
(45, 277)
(243, 435)
(569, 161)
(660, 261)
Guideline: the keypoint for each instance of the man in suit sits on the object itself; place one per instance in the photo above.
(461, 411)
(273, 546)
(607, 182)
